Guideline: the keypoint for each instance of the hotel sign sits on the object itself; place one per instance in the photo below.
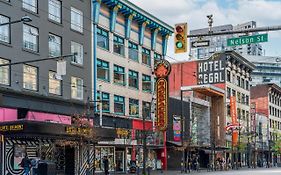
(211, 71)
(162, 69)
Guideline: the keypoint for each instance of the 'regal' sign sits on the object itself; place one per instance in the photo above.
(211, 71)
(162, 69)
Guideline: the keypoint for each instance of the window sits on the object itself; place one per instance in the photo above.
(54, 84)
(233, 92)
(133, 107)
(54, 45)
(238, 81)
(247, 100)
(30, 38)
(146, 83)
(4, 72)
(242, 83)
(146, 110)
(76, 20)
(102, 70)
(133, 51)
(146, 56)
(238, 97)
(105, 102)
(118, 45)
(157, 57)
(238, 113)
(133, 79)
(243, 101)
(5, 29)
(119, 75)
(119, 105)
(29, 77)
(228, 92)
(55, 10)
(102, 38)
(228, 110)
(76, 88)
(78, 50)
(247, 85)
(30, 5)
(228, 74)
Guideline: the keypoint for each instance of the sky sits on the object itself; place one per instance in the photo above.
(194, 12)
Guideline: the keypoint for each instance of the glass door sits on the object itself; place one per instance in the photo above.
(120, 161)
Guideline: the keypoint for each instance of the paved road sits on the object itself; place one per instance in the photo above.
(264, 171)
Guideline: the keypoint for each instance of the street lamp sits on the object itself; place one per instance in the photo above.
(23, 19)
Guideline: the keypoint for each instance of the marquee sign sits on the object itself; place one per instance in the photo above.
(211, 71)
(7, 128)
(162, 69)
(233, 114)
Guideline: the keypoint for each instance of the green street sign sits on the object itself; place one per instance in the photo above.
(247, 40)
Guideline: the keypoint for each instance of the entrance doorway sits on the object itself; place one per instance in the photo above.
(69, 160)
(120, 161)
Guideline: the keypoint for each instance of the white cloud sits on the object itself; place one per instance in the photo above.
(265, 13)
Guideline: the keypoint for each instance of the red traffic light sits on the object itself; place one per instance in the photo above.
(179, 29)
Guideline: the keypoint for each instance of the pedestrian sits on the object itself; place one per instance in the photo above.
(26, 165)
(105, 165)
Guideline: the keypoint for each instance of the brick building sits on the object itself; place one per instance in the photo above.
(209, 84)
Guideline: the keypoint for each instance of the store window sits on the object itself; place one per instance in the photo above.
(77, 49)
(118, 45)
(105, 102)
(4, 72)
(119, 105)
(146, 110)
(103, 70)
(133, 79)
(30, 77)
(30, 5)
(76, 20)
(100, 153)
(54, 84)
(55, 10)
(146, 83)
(30, 38)
(119, 75)
(77, 88)
(133, 107)
(133, 51)
(146, 56)
(5, 29)
(54, 45)
(102, 38)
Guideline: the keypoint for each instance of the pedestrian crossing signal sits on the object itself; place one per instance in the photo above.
(181, 38)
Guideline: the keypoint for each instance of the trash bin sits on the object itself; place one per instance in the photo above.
(47, 168)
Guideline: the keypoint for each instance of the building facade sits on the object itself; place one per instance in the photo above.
(267, 69)
(128, 40)
(210, 84)
(266, 97)
(219, 43)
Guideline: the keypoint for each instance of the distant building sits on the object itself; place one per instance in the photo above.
(219, 43)
(268, 69)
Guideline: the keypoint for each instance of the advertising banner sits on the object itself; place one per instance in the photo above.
(233, 114)
(177, 128)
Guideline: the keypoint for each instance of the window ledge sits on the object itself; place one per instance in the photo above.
(149, 92)
(117, 54)
(30, 51)
(137, 61)
(104, 49)
(31, 12)
(6, 44)
(77, 64)
(149, 66)
(30, 90)
(55, 22)
(76, 31)
(8, 3)
(119, 84)
(133, 88)
(104, 80)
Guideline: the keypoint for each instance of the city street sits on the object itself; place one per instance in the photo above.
(258, 171)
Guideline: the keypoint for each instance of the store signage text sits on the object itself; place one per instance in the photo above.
(161, 102)
(123, 133)
(11, 128)
(211, 72)
(78, 131)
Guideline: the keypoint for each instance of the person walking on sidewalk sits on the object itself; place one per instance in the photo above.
(26, 164)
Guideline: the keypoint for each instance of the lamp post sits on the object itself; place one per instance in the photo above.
(23, 19)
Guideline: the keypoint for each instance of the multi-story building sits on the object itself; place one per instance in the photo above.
(128, 41)
(266, 98)
(209, 84)
(267, 69)
(219, 43)
(115, 44)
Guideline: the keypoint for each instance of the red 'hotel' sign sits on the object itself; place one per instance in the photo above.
(162, 70)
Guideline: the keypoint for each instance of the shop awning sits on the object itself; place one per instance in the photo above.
(208, 90)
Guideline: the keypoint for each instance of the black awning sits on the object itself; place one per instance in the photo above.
(172, 143)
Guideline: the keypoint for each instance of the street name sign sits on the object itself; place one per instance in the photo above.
(247, 40)
(203, 43)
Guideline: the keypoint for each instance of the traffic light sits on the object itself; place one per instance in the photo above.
(180, 38)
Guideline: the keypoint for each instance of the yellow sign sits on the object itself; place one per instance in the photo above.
(77, 131)
(122, 132)
(161, 102)
(7, 128)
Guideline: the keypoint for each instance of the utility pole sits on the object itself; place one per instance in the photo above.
(144, 146)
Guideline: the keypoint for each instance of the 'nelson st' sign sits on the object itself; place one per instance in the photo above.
(247, 40)
(211, 71)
